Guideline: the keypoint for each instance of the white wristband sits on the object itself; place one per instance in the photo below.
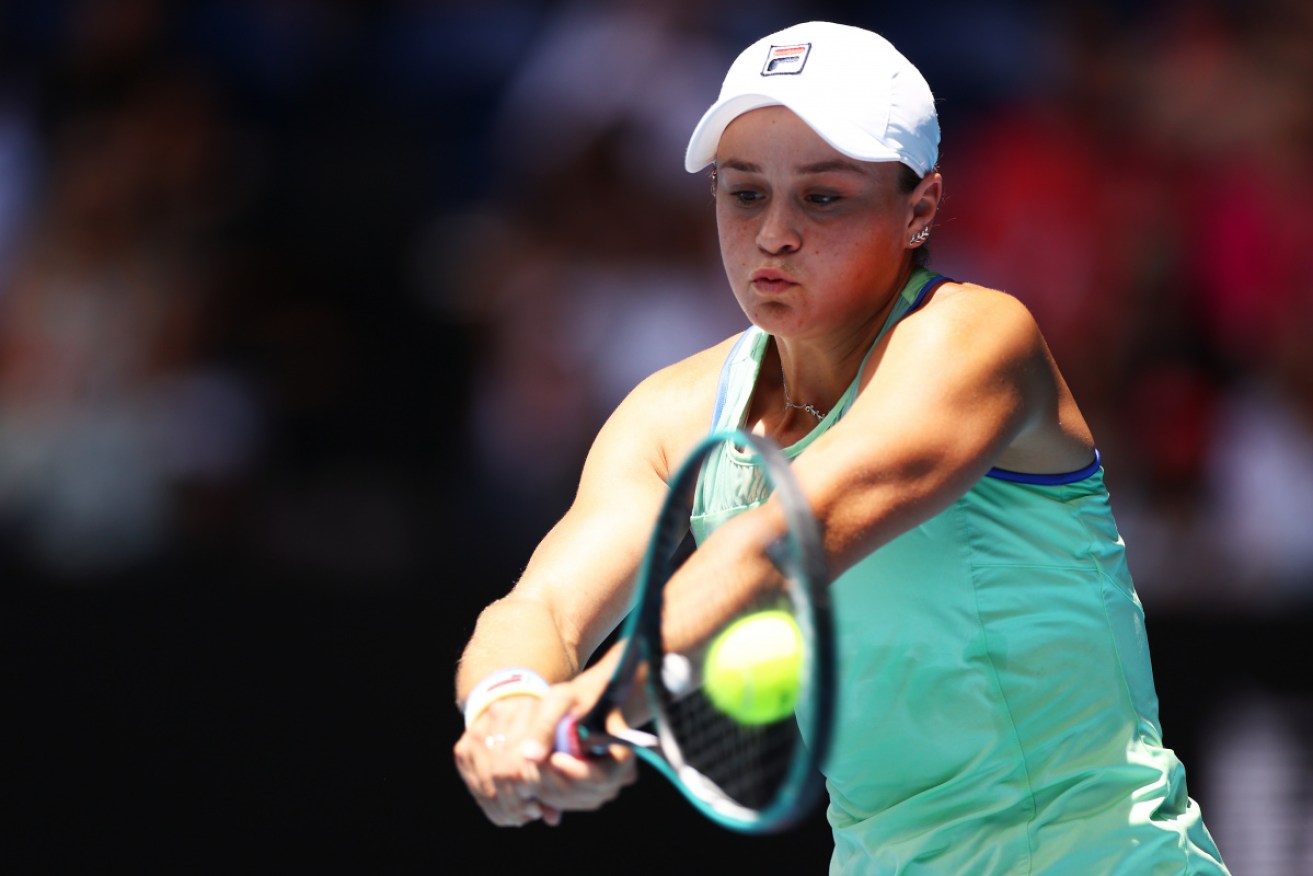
(503, 683)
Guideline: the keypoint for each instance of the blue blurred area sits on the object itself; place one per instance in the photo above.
(308, 311)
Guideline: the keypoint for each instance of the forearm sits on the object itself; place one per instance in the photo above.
(506, 754)
(729, 572)
(515, 631)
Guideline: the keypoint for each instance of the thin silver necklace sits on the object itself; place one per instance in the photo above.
(791, 405)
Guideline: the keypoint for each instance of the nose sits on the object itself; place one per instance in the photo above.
(778, 232)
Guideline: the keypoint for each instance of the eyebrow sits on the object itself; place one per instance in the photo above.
(830, 165)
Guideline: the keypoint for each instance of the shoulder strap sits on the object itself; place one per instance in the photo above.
(722, 388)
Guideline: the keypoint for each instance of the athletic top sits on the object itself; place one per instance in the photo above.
(996, 706)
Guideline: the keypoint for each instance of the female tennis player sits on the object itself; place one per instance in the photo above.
(996, 706)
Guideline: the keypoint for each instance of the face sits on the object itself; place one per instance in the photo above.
(813, 242)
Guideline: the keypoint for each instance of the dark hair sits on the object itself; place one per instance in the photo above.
(908, 180)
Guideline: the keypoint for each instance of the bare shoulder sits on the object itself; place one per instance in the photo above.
(671, 409)
(973, 318)
(690, 374)
(686, 388)
(986, 340)
(970, 300)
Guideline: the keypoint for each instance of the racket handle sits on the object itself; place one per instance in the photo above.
(567, 737)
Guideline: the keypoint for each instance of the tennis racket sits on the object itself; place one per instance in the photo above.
(752, 778)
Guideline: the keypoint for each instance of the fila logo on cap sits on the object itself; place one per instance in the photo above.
(786, 59)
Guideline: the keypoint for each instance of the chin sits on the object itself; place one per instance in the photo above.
(772, 317)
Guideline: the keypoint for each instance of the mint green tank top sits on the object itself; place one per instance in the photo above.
(997, 712)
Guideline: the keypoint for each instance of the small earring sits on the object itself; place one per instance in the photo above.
(920, 237)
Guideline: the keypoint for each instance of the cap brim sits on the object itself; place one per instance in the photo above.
(846, 137)
(706, 136)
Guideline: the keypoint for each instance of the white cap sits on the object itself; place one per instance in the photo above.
(850, 86)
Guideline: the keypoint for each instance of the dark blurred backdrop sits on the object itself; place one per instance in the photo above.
(308, 311)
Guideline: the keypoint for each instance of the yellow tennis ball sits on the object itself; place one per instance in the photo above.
(753, 669)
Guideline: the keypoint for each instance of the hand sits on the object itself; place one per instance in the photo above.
(506, 760)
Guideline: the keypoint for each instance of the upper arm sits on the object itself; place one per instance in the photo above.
(948, 392)
(583, 571)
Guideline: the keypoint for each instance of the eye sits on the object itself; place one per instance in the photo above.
(746, 197)
(820, 199)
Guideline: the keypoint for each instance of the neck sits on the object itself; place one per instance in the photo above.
(815, 372)
(811, 384)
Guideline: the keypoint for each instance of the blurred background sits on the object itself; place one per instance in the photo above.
(308, 311)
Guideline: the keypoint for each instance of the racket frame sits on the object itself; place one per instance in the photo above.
(642, 650)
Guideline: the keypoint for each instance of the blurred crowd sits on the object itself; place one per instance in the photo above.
(337, 286)
(339, 292)
(315, 283)
(1149, 203)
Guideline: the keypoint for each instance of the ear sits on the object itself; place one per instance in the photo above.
(925, 200)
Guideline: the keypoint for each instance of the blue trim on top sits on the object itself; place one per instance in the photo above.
(933, 282)
(722, 388)
(1002, 474)
(1046, 480)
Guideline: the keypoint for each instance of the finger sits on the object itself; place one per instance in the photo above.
(571, 783)
(518, 780)
(620, 766)
(502, 784)
(559, 702)
(534, 751)
(504, 759)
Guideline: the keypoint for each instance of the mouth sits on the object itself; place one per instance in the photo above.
(771, 280)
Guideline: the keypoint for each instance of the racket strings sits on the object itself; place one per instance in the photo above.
(749, 764)
(745, 774)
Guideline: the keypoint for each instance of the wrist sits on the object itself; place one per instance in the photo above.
(511, 682)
